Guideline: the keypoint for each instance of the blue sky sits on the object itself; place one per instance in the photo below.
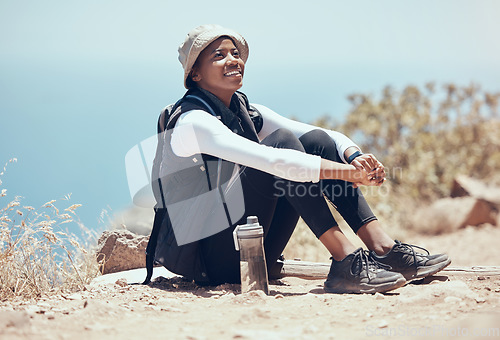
(83, 82)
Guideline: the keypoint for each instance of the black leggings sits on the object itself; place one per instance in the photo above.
(278, 203)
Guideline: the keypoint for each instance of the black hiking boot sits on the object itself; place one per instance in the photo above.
(359, 273)
(275, 272)
(403, 258)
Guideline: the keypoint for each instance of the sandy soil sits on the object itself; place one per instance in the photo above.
(449, 305)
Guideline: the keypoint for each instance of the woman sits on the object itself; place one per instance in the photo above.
(220, 159)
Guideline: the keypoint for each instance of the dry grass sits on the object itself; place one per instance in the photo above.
(37, 255)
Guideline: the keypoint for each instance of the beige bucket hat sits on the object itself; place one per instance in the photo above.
(202, 36)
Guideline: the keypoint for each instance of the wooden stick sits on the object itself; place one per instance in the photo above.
(317, 271)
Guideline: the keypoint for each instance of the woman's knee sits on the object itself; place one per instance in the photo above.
(316, 137)
(284, 139)
(318, 142)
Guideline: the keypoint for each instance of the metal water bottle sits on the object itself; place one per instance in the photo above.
(249, 240)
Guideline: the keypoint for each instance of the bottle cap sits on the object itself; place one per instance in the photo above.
(250, 230)
(252, 220)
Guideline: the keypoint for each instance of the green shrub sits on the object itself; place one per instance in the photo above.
(424, 137)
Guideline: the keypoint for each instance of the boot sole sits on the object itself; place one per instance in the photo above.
(428, 271)
(365, 288)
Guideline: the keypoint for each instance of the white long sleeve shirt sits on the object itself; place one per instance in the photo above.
(197, 131)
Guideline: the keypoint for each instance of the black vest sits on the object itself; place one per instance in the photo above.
(191, 191)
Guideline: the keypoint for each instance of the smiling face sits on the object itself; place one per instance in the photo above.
(219, 69)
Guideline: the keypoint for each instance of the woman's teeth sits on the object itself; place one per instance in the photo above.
(232, 73)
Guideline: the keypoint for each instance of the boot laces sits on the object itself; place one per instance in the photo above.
(363, 259)
(410, 250)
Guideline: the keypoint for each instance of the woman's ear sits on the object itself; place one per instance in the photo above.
(194, 75)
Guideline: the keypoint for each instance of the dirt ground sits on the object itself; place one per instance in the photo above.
(452, 304)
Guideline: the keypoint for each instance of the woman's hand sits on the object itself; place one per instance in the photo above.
(374, 169)
(356, 174)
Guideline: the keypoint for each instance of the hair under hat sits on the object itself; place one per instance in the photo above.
(202, 36)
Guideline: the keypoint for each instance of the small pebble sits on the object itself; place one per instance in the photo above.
(383, 324)
(74, 296)
(171, 309)
(121, 282)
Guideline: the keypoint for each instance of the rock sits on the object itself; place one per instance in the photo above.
(171, 309)
(480, 300)
(467, 186)
(450, 214)
(120, 250)
(383, 324)
(74, 296)
(121, 282)
(481, 212)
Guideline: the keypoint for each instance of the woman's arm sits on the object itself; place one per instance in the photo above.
(197, 131)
